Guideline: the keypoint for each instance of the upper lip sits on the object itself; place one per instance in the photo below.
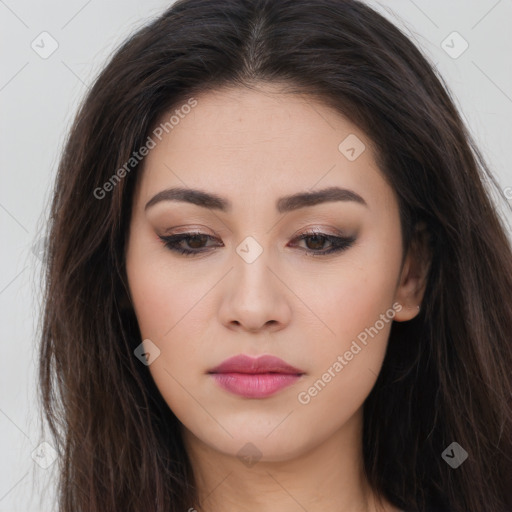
(262, 364)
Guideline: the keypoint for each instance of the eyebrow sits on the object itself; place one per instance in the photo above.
(283, 204)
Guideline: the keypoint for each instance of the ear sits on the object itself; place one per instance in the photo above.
(413, 278)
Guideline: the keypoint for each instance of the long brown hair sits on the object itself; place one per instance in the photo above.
(447, 373)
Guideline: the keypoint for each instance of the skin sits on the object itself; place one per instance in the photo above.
(252, 147)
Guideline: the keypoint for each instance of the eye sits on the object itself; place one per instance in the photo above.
(195, 242)
(315, 240)
(190, 244)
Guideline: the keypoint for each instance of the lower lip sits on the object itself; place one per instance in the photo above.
(257, 385)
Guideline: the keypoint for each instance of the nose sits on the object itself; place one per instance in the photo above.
(254, 297)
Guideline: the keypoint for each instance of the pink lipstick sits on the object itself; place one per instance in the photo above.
(251, 377)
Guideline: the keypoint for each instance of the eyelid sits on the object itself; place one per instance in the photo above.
(187, 229)
(320, 230)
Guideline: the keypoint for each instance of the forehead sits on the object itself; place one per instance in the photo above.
(260, 141)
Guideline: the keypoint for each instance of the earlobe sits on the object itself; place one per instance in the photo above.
(406, 313)
(413, 279)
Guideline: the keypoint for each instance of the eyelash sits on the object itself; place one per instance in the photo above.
(339, 244)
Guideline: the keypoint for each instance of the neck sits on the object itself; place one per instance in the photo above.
(329, 476)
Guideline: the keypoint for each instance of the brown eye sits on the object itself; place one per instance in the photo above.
(315, 241)
(196, 243)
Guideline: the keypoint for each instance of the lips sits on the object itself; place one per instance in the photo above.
(255, 377)
(252, 365)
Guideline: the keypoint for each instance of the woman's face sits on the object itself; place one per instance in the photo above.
(253, 286)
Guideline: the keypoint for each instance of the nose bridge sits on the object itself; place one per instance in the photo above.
(255, 297)
(252, 275)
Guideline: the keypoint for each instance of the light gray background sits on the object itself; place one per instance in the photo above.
(38, 98)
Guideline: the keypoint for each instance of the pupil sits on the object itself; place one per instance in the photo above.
(195, 241)
(318, 239)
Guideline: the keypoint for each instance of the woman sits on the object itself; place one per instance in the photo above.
(275, 278)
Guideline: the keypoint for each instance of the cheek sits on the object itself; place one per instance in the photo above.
(354, 303)
(345, 300)
(162, 294)
(172, 309)
(164, 306)
(346, 364)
